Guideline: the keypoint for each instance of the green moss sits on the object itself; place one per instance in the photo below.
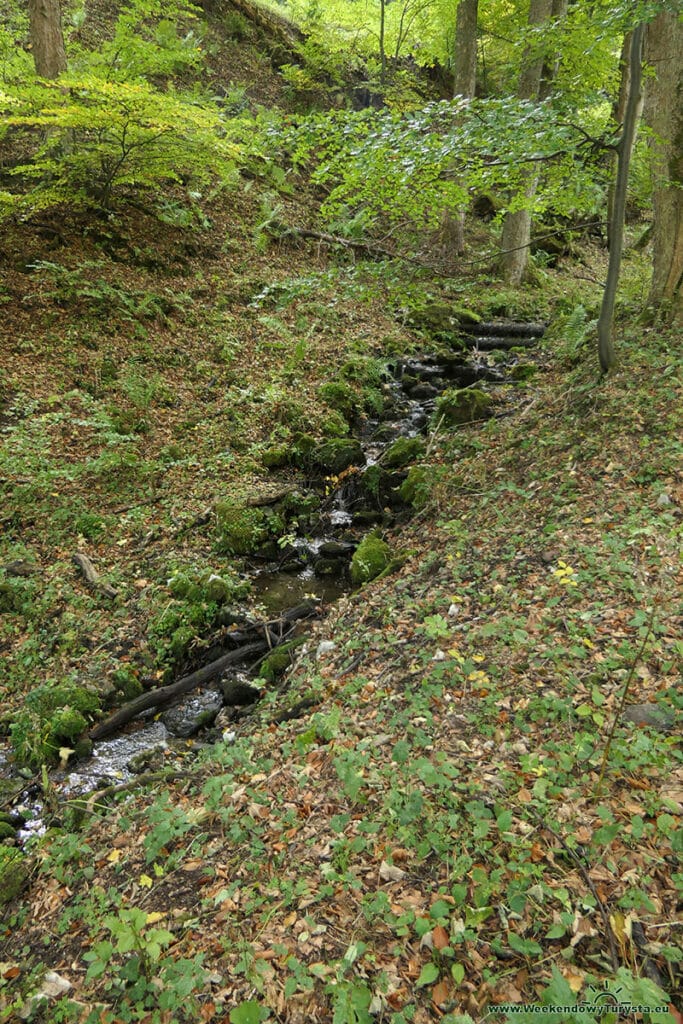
(127, 683)
(370, 558)
(334, 425)
(241, 530)
(462, 405)
(275, 456)
(67, 725)
(339, 396)
(334, 456)
(415, 488)
(443, 321)
(7, 831)
(14, 874)
(403, 451)
(277, 663)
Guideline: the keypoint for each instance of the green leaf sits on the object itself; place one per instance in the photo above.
(249, 1012)
(428, 975)
(457, 973)
(528, 947)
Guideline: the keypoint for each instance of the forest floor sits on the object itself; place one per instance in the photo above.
(448, 827)
(478, 802)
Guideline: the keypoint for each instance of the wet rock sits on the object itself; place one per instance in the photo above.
(188, 718)
(403, 451)
(423, 392)
(231, 617)
(653, 715)
(238, 693)
(327, 567)
(147, 760)
(336, 549)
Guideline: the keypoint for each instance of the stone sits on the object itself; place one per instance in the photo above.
(653, 715)
(187, 718)
(370, 558)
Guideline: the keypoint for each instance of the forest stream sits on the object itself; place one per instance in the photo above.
(309, 573)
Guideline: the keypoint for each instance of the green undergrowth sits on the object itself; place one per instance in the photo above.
(446, 820)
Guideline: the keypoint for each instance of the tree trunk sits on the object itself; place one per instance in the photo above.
(625, 148)
(535, 82)
(47, 39)
(664, 116)
(618, 116)
(465, 59)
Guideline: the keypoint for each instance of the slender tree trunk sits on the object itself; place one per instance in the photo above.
(464, 84)
(382, 44)
(664, 116)
(47, 39)
(618, 115)
(625, 148)
(535, 82)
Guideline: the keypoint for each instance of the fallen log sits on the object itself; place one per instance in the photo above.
(88, 570)
(501, 329)
(488, 342)
(164, 694)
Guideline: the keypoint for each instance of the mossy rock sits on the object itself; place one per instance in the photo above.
(334, 456)
(14, 874)
(67, 725)
(276, 456)
(241, 529)
(334, 425)
(415, 488)
(523, 371)
(462, 405)
(403, 451)
(371, 557)
(7, 831)
(277, 663)
(443, 320)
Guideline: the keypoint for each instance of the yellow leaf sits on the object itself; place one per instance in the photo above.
(154, 916)
(145, 881)
(114, 856)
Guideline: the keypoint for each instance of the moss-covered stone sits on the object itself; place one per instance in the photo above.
(523, 371)
(334, 456)
(276, 456)
(370, 558)
(443, 321)
(14, 874)
(7, 831)
(415, 487)
(67, 724)
(403, 451)
(277, 663)
(334, 425)
(241, 529)
(462, 405)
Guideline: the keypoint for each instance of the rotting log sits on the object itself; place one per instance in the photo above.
(164, 694)
(88, 570)
(275, 632)
(501, 329)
